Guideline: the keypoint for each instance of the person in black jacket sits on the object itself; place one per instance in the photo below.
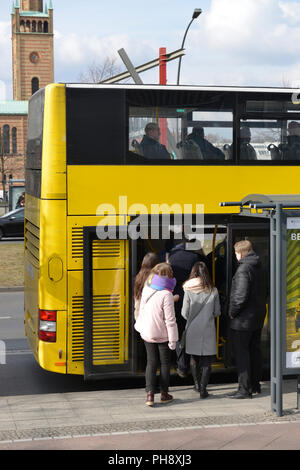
(150, 146)
(208, 150)
(247, 310)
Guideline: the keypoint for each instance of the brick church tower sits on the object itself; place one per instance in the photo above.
(33, 68)
(32, 47)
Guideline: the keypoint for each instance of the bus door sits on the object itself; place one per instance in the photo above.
(259, 235)
(106, 305)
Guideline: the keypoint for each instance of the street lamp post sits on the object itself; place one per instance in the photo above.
(196, 13)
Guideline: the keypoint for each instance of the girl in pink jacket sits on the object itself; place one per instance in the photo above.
(157, 326)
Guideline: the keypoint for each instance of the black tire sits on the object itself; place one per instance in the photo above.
(1, 234)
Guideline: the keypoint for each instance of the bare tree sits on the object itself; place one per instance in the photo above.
(98, 71)
(285, 82)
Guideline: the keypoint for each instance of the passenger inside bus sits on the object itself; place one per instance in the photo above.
(208, 150)
(290, 150)
(247, 151)
(150, 147)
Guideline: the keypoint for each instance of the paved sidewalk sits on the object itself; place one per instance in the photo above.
(119, 419)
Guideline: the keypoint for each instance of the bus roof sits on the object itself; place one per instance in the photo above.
(186, 87)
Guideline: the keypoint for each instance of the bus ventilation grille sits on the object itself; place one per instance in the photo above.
(101, 248)
(77, 329)
(106, 328)
(32, 243)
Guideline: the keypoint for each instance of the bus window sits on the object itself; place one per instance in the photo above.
(266, 139)
(213, 133)
(35, 144)
(160, 133)
(273, 106)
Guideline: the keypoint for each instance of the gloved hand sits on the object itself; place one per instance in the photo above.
(172, 345)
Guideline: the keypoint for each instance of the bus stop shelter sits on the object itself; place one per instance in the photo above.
(283, 212)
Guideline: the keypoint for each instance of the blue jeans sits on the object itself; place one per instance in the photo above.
(158, 353)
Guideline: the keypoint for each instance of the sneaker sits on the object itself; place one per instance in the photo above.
(150, 399)
(165, 397)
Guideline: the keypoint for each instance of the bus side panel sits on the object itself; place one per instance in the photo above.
(31, 282)
(117, 181)
(32, 271)
(53, 281)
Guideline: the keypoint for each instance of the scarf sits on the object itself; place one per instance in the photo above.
(193, 285)
(161, 282)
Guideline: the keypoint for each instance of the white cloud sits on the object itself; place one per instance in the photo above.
(230, 22)
(291, 11)
(76, 52)
(244, 43)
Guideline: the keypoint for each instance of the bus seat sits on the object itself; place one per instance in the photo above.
(227, 150)
(189, 150)
(275, 152)
(137, 147)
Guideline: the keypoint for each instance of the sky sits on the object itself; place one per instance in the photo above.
(233, 42)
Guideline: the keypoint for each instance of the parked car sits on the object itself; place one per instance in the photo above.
(12, 224)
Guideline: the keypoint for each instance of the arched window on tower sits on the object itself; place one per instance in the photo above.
(40, 27)
(14, 140)
(45, 26)
(22, 26)
(28, 28)
(6, 145)
(35, 85)
(34, 26)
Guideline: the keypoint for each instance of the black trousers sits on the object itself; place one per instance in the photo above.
(247, 352)
(158, 353)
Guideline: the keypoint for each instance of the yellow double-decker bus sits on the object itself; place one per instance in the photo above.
(101, 156)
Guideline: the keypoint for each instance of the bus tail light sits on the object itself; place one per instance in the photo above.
(47, 325)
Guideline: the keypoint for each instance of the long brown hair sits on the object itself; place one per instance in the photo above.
(200, 270)
(149, 261)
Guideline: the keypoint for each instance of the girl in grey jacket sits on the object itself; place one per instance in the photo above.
(201, 300)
